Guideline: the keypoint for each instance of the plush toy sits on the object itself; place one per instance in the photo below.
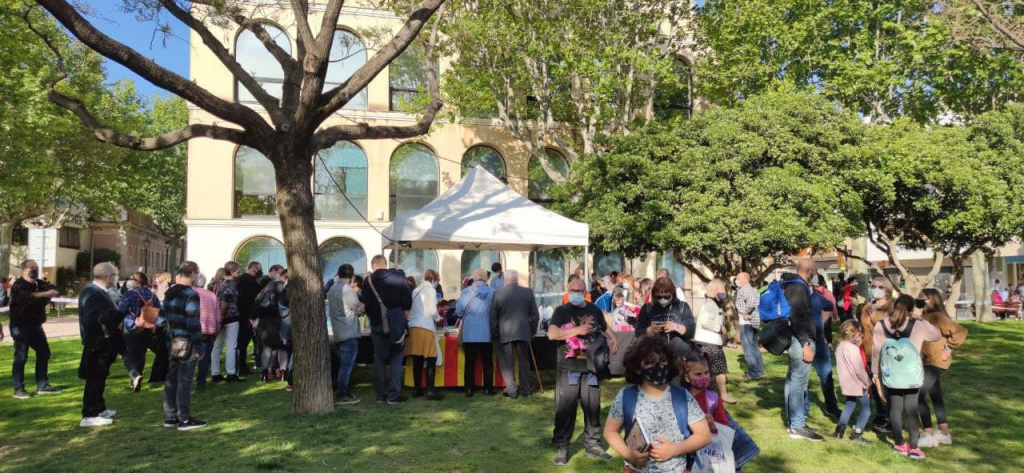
(576, 346)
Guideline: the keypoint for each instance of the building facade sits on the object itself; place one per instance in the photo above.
(361, 186)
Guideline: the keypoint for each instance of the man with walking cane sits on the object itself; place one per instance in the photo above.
(514, 319)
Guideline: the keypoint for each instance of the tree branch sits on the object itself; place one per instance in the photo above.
(267, 101)
(998, 25)
(332, 100)
(300, 9)
(118, 52)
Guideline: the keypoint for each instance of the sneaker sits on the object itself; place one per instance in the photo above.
(289, 388)
(398, 400)
(943, 439)
(928, 441)
(346, 400)
(95, 421)
(233, 378)
(562, 457)
(191, 424)
(915, 454)
(804, 433)
(108, 414)
(857, 437)
(171, 422)
(883, 428)
(48, 390)
(136, 383)
(903, 449)
(597, 453)
(21, 394)
(217, 378)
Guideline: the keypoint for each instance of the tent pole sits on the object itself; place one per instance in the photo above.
(586, 266)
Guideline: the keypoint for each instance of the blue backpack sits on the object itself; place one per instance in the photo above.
(679, 401)
(901, 366)
(773, 304)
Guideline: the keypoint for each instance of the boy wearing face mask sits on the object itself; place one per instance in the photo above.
(29, 297)
(668, 317)
(575, 383)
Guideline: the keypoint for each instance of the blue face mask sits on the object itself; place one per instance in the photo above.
(576, 298)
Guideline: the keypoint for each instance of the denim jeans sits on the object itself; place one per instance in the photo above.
(178, 389)
(796, 385)
(206, 348)
(35, 338)
(823, 367)
(227, 338)
(851, 404)
(348, 350)
(387, 366)
(755, 364)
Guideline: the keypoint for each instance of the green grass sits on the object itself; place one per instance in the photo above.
(252, 429)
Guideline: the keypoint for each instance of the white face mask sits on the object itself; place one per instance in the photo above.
(130, 284)
(664, 302)
(877, 293)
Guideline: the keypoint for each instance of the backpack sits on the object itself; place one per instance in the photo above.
(773, 304)
(630, 394)
(599, 358)
(146, 318)
(901, 366)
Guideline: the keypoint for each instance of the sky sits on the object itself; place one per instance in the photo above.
(171, 51)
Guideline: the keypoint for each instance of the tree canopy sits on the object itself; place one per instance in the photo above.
(726, 189)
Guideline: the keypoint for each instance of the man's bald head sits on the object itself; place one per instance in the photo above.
(742, 279)
(806, 268)
(577, 285)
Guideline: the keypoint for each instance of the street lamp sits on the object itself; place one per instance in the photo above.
(145, 263)
(167, 256)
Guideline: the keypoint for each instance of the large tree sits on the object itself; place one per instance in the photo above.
(730, 190)
(564, 73)
(288, 131)
(49, 166)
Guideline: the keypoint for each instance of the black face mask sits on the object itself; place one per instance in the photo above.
(657, 374)
(33, 273)
(259, 274)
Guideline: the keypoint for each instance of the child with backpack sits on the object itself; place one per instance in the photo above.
(896, 363)
(854, 381)
(735, 448)
(674, 424)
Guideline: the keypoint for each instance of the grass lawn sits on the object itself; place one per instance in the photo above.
(252, 429)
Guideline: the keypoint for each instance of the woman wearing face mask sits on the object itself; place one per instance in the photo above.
(650, 364)
(667, 317)
(709, 335)
(880, 295)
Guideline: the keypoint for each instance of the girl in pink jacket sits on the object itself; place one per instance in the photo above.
(854, 381)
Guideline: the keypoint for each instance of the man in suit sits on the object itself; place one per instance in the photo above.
(98, 321)
(514, 318)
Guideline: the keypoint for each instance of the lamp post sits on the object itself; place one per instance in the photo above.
(145, 263)
(167, 256)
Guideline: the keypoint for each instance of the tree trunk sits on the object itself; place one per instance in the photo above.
(858, 267)
(956, 285)
(312, 371)
(982, 291)
(6, 247)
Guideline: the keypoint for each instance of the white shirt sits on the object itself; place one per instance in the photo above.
(424, 307)
(709, 323)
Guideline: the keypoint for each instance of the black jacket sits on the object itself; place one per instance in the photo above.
(394, 290)
(678, 311)
(27, 311)
(514, 314)
(798, 294)
(248, 287)
(98, 318)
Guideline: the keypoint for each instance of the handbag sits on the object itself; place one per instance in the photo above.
(146, 319)
(181, 348)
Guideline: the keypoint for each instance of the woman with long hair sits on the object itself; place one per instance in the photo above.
(937, 357)
(880, 297)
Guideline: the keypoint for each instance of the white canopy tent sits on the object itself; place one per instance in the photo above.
(482, 213)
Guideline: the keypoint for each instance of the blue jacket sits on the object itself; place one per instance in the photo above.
(131, 305)
(181, 309)
(476, 321)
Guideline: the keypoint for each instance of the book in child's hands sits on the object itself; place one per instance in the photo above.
(638, 439)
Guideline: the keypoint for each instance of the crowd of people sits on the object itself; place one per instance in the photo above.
(891, 351)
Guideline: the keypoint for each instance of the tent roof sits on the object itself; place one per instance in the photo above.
(482, 213)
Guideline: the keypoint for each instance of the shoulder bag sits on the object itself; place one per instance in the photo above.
(393, 323)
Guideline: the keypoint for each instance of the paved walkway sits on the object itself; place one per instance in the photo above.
(64, 327)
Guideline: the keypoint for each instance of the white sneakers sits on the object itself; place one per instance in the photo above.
(108, 414)
(95, 421)
(934, 440)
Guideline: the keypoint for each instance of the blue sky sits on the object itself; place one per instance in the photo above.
(171, 52)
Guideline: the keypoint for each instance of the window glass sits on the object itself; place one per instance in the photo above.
(341, 171)
(484, 156)
(338, 251)
(545, 174)
(348, 54)
(414, 179)
(268, 251)
(253, 56)
(255, 188)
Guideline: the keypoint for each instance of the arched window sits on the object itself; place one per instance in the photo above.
(254, 58)
(414, 262)
(409, 79)
(348, 54)
(672, 95)
(544, 173)
(255, 188)
(341, 171)
(487, 157)
(414, 176)
(676, 271)
(605, 263)
(268, 251)
(338, 251)
(473, 260)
